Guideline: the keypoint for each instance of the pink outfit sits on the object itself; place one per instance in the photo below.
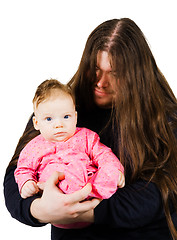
(82, 158)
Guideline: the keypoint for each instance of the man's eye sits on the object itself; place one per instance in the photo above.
(49, 119)
(97, 70)
(114, 74)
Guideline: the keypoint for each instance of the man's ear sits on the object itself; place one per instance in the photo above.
(35, 123)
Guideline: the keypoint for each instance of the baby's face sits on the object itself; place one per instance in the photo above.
(56, 118)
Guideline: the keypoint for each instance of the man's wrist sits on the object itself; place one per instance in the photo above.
(37, 212)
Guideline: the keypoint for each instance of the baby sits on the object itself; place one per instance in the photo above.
(63, 147)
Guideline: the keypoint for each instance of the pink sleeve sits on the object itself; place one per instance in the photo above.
(105, 181)
(29, 160)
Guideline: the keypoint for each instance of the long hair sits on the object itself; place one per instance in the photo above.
(145, 107)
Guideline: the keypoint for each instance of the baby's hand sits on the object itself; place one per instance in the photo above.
(121, 181)
(29, 189)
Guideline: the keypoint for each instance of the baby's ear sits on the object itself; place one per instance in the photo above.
(76, 116)
(35, 123)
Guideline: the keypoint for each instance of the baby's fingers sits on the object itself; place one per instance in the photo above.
(26, 192)
(29, 189)
(33, 188)
(121, 182)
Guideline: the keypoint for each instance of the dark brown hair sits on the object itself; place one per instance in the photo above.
(145, 107)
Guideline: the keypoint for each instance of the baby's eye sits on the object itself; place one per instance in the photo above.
(49, 119)
(66, 116)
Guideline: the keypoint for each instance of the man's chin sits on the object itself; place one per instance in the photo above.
(103, 104)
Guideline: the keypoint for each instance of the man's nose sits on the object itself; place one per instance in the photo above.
(102, 80)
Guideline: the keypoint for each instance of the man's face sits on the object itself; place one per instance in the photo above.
(104, 88)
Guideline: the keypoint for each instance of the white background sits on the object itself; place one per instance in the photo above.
(42, 39)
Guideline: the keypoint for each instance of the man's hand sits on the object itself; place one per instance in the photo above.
(58, 208)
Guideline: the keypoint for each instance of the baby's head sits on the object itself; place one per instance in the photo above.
(54, 111)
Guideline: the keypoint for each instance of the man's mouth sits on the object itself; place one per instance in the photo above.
(100, 92)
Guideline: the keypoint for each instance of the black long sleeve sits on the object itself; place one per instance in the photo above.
(133, 212)
(134, 206)
(18, 207)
